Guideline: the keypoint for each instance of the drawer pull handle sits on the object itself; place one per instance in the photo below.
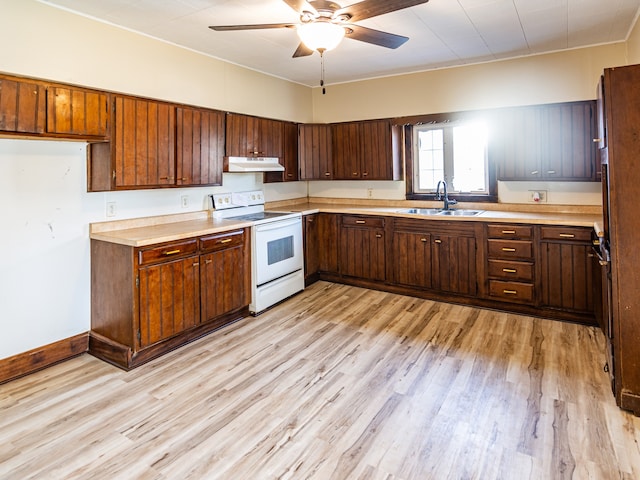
(360, 221)
(505, 249)
(508, 232)
(208, 261)
(327, 174)
(226, 240)
(551, 172)
(423, 239)
(438, 241)
(597, 140)
(535, 172)
(171, 252)
(567, 235)
(509, 270)
(510, 292)
(378, 235)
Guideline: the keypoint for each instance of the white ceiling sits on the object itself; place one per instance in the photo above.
(442, 32)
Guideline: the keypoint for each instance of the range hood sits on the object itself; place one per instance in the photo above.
(253, 164)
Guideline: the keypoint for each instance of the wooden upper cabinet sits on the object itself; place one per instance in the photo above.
(76, 111)
(22, 106)
(199, 146)
(569, 152)
(143, 143)
(248, 136)
(545, 142)
(289, 159)
(345, 139)
(314, 151)
(368, 150)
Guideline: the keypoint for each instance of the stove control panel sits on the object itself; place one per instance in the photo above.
(222, 201)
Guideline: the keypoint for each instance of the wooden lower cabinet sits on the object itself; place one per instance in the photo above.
(362, 247)
(438, 256)
(148, 300)
(169, 299)
(566, 277)
(311, 241)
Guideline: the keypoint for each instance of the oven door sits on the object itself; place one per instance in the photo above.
(277, 248)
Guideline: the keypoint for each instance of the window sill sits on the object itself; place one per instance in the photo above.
(459, 198)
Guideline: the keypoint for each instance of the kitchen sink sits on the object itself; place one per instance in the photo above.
(461, 213)
(438, 211)
(421, 211)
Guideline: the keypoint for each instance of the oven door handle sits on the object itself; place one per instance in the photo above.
(278, 224)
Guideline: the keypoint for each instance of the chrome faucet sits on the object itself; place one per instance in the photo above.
(444, 196)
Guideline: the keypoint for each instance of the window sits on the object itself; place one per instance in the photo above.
(454, 152)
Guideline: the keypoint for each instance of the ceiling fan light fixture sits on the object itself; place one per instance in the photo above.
(321, 35)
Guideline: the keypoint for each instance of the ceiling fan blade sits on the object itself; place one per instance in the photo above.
(373, 8)
(302, 51)
(301, 6)
(259, 26)
(376, 37)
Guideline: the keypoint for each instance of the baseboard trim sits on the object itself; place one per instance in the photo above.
(42, 357)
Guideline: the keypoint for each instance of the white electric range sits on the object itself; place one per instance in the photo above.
(277, 264)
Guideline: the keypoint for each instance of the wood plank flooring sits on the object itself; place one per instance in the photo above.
(337, 383)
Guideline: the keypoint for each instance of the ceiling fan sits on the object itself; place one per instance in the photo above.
(323, 24)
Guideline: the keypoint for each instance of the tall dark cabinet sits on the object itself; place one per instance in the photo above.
(619, 142)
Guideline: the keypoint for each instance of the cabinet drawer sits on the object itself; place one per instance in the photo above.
(163, 252)
(350, 220)
(510, 249)
(511, 270)
(564, 233)
(511, 291)
(222, 240)
(510, 231)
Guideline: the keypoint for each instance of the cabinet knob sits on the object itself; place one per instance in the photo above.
(438, 241)
(551, 172)
(364, 174)
(327, 174)
(423, 239)
(535, 172)
(378, 235)
(597, 140)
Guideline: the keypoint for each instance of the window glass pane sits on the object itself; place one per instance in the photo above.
(469, 158)
(430, 158)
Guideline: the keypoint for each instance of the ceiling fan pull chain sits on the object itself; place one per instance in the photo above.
(321, 51)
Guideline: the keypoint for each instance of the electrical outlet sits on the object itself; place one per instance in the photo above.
(111, 209)
(538, 196)
(369, 192)
(184, 201)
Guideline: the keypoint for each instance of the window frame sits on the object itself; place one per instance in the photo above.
(444, 118)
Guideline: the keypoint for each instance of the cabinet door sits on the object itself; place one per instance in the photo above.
(144, 143)
(412, 259)
(249, 136)
(566, 276)
(362, 252)
(454, 264)
(289, 159)
(223, 277)
(22, 106)
(199, 146)
(328, 234)
(169, 299)
(311, 247)
(314, 152)
(516, 144)
(568, 147)
(75, 111)
(376, 150)
(345, 139)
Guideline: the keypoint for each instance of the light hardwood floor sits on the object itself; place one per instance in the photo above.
(336, 383)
